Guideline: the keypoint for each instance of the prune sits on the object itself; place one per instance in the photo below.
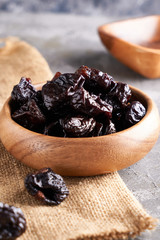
(47, 186)
(57, 75)
(29, 116)
(86, 103)
(118, 111)
(39, 101)
(95, 80)
(108, 127)
(135, 111)
(111, 128)
(12, 222)
(103, 105)
(112, 101)
(121, 92)
(23, 91)
(77, 126)
(56, 93)
(54, 129)
(97, 130)
(83, 102)
(84, 71)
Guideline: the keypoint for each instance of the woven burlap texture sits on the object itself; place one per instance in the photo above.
(99, 207)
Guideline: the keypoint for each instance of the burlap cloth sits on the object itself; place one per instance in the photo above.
(98, 207)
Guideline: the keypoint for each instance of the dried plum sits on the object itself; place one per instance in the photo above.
(83, 102)
(97, 130)
(111, 128)
(122, 93)
(96, 81)
(23, 91)
(57, 75)
(39, 101)
(54, 129)
(47, 186)
(29, 116)
(135, 111)
(77, 126)
(56, 93)
(12, 222)
(86, 103)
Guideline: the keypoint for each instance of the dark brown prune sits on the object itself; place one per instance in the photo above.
(56, 93)
(111, 128)
(77, 126)
(29, 116)
(97, 130)
(47, 186)
(83, 102)
(54, 129)
(105, 81)
(88, 93)
(12, 222)
(113, 101)
(23, 91)
(90, 85)
(39, 101)
(135, 111)
(121, 92)
(103, 104)
(95, 80)
(118, 111)
(57, 75)
(108, 126)
(84, 71)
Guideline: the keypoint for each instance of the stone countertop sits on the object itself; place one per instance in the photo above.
(68, 41)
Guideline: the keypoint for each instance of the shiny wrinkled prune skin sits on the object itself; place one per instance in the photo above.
(54, 129)
(46, 186)
(135, 111)
(57, 75)
(77, 126)
(86, 94)
(12, 222)
(117, 113)
(122, 93)
(97, 130)
(95, 80)
(109, 128)
(23, 91)
(38, 99)
(83, 102)
(29, 116)
(57, 92)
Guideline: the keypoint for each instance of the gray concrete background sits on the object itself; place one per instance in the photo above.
(112, 8)
(68, 41)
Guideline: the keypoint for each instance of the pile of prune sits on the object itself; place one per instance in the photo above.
(12, 222)
(86, 103)
(46, 186)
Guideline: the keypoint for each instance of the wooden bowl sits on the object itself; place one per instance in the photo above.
(82, 156)
(136, 43)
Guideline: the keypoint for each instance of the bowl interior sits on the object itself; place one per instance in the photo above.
(143, 31)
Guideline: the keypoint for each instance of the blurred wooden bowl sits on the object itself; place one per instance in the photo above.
(82, 156)
(136, 43)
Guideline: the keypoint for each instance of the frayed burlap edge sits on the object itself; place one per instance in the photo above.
(145, 223)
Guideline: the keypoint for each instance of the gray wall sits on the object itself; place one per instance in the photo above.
(113, 8)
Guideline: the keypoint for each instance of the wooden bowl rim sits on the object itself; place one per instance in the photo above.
(103, 30)
(148, 100)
